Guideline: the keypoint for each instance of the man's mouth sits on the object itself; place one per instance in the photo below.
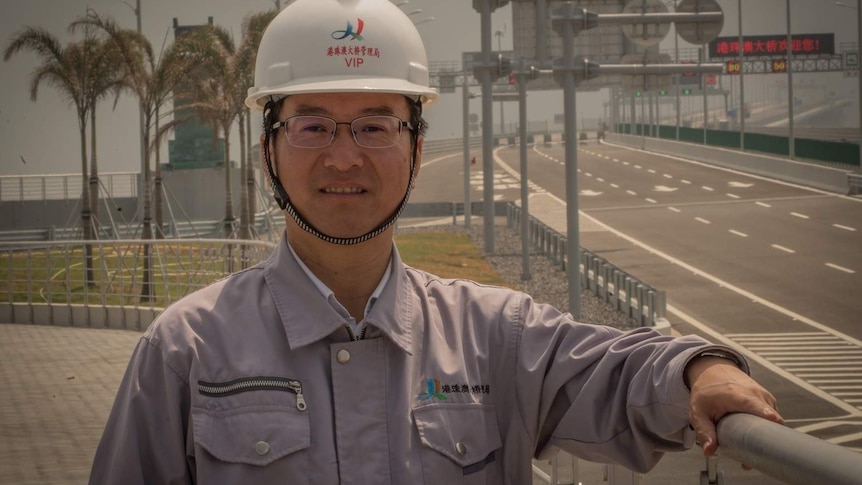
(343, 190)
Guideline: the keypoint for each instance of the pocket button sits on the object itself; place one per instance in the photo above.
(262, 448)
(460, 448)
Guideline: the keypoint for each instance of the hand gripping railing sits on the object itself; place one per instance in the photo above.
(786, 454)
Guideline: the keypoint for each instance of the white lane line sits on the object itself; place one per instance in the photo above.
(638, 167)
(700, 219)
(801, 216)
(652, 201)
(764, 204)
(651, 170)
(846, 228)
(616, 159)
(737, 233)
(840, 268)
(733, 196)
(708, 189)
(782, 248)
(615, 186)
(674, 209)
(668, 176)
(631, 192)
(685, 181)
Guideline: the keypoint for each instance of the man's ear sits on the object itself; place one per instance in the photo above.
(417, 163)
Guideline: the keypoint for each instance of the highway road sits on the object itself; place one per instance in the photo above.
(771, 268)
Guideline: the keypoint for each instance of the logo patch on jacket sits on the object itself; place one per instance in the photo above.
(439, 391)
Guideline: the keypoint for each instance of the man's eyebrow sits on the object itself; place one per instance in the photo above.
(307, 109)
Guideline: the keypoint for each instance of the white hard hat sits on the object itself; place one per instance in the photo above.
(324, 46)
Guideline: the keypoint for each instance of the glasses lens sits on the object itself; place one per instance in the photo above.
(376, 131)
(309, 131)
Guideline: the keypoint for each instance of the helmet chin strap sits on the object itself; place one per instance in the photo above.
(283, 200)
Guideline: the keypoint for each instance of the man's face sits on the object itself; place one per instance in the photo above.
(343, 189)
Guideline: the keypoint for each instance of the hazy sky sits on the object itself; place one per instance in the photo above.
(45, 132)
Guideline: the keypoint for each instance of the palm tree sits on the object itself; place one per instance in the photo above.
(252, 30)
(152, 80)
(68, 70)
(104, 78)
(216, 94)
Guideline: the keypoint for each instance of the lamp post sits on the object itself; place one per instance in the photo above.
(499, 34)
(858, 73)
(142, 181)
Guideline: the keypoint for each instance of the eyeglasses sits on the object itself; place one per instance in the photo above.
(376, 131)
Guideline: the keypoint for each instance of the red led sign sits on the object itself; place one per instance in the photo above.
(771, 45)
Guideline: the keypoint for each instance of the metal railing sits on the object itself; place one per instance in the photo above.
(66, 186)
(104, 283)
(627, 294)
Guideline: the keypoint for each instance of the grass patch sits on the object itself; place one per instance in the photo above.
(447, 255)
(57, 275)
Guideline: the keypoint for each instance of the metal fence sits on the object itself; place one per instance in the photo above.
(67, 186)
(627, 294)
(106, 284)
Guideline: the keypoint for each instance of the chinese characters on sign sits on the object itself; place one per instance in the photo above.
(770, 45)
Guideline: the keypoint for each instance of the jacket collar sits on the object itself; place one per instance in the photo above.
(307, 316)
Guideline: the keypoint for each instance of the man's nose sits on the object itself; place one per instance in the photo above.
(344, 152)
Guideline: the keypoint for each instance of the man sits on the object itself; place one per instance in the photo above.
(332, 362)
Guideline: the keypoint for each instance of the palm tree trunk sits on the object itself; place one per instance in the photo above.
(86, 225)
(228, 192)
(147, 290)
(252, 198)
(245, 218)
(158, 200)
(94, 173)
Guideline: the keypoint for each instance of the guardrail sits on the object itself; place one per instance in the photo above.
(854, 183)
(66, 186)
(628, 295)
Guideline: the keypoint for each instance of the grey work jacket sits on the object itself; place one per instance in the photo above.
(256, 380)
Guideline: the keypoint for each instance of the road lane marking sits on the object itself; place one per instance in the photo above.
(846, 228)
(652, 201)
(737, 233)
(674, 209)
(685, 181)
(700, 219)
(840, 268)
(801, 216)
(668, 176)
(651, 170)
(708, 189)
(733, 196)
(615, 186)
(782, 248)
(763, 204)
(631, 192)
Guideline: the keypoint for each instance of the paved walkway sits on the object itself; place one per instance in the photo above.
(58, 384)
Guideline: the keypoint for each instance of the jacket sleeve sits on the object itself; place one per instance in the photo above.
(145, 438)
(599, 393)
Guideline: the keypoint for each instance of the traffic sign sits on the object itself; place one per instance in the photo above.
(733, 67)
(646, 34)
(779, 65)
(699, 33)
(851, 63)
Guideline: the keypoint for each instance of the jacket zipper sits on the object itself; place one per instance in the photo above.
(353, 337)
(247, 384)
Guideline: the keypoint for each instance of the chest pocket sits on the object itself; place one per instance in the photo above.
(251, 444)
(461, 442)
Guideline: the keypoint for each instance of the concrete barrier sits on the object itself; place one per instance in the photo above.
(808, 174)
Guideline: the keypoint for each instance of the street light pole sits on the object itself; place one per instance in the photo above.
(740, 111)
(790, 108)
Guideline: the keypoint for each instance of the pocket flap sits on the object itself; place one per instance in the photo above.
(255, 435)
(465, 433)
